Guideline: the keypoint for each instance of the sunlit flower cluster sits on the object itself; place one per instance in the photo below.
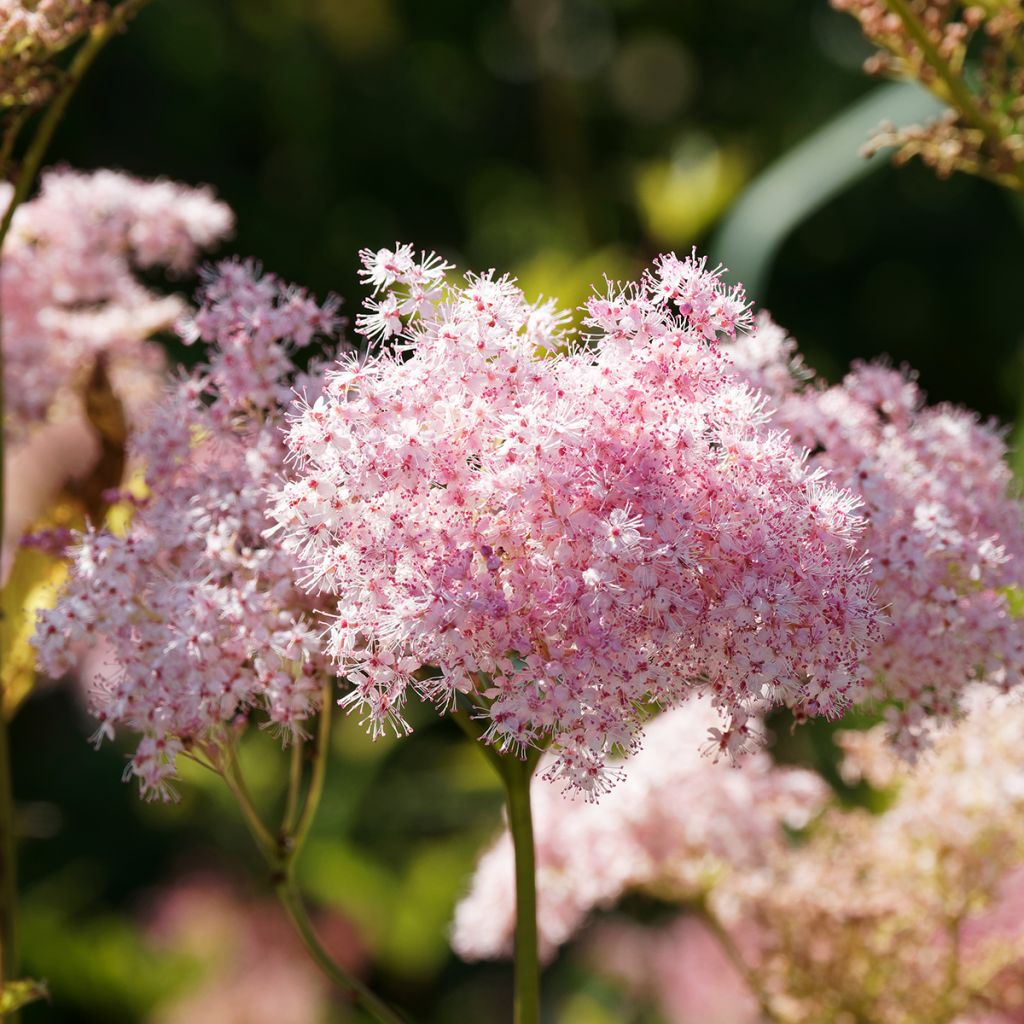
(70, 288)
(945, 532)
(566, 533)
(199, 611)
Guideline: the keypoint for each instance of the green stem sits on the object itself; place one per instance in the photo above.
(316, 782)
(8, 868)
(962, 97)
(282, 853)
(291, 807)
(736, 958)
(232, 774)
(288, 894)
(517, 775)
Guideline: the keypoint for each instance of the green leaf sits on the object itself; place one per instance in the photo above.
(16, 994)
(801, 181)
(32, 585)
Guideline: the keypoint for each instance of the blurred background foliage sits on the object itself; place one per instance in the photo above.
(558, 139)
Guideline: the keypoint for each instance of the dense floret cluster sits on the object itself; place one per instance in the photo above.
(945, 531)
(564, 533)
(199, 611)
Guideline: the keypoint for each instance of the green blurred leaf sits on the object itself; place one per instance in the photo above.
(16, 994)
(804, 179)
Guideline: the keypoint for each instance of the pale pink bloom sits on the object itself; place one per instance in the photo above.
(945, 530)
(910, 914)
(254, 969)
(566, 537)
(70, 289)
(199, 609)
(681, 966)
(672, 827)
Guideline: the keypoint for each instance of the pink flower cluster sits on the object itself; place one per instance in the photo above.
(253, 968)
(200, 612)
(945, 535)
(901, 913)
(565, 533)
(69, 288)
(673, 827)
(908, 914)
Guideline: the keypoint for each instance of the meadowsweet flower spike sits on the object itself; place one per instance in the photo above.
(565, 538)
(69, 282)
(945, 531)
(197, 608)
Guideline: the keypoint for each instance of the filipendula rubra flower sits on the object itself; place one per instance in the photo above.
(567, 533)
(70, 288)
(944, 528)
(199, 612)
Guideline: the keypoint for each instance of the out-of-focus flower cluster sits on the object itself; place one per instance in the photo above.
(945, 533)
(255, 970)
(568, 533)
(672, 828)
(32, 35)
(198, 609)
(909, 915)
(906, 915)
(982, 132)
(70, 290)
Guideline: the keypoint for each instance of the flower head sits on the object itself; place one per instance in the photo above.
(565, 538)
(198, 608)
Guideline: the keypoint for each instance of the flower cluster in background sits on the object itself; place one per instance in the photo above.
(672, 828)
(254, 968)
(794, 907)
(945, 531)
(71, 289)
(200, 614)
(564, 532)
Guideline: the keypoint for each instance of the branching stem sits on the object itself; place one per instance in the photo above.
(282, 852)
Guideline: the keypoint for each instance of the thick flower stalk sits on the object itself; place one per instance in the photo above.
(671, 829)
(971, 55)
(559, 535)
(69, 282)
(945, 531)
(198, 611)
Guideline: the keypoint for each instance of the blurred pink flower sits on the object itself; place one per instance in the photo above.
(672, 827)
(69, 286)
(255, 969)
